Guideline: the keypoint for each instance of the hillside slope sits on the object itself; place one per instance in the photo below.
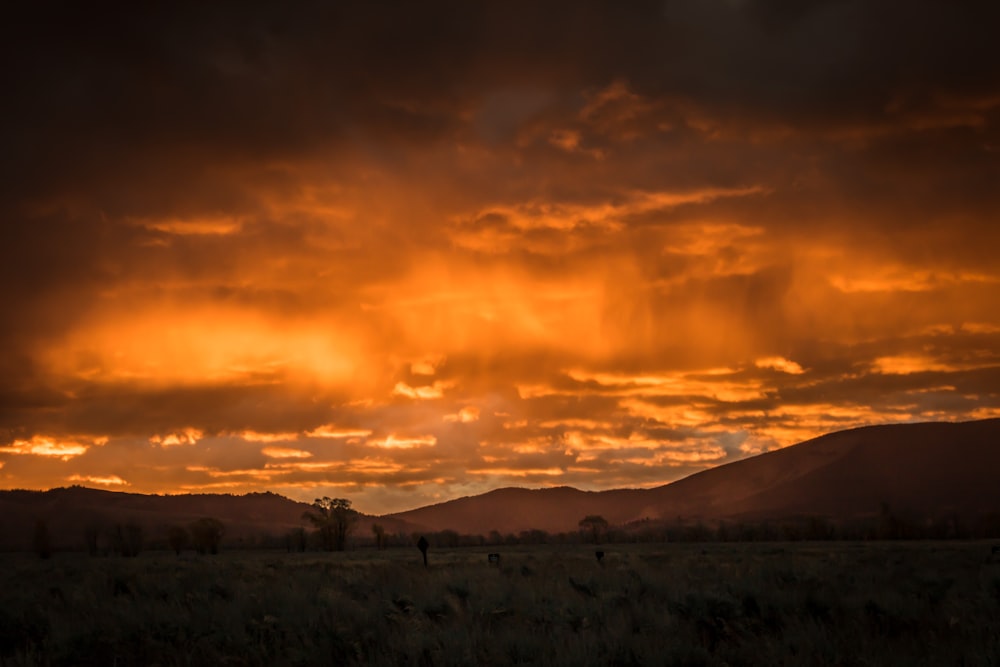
(70, 511)
(926, 468)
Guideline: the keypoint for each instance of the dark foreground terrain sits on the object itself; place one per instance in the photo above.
(907, 603)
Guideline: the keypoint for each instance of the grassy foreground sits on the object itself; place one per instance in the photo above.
(716, 604)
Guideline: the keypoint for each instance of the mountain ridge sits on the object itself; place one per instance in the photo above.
(927, 468)
(69, 511)
(923, 467)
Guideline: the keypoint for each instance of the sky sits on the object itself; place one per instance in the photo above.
(405, 252)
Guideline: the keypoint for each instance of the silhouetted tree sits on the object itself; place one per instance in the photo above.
(90, 539)
(533, 536)
(595, 525)
(893, 526)
(333, 519)
(724, 532)
(988, 525)
(127, 539)
(379, 533)
(819, 528)
(178, 538)
(41, 542)
(447, 539)
(697, 532)
(207, 535)
(296, 540)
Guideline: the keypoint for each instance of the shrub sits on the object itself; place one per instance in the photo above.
(41, 542)
(206, 533)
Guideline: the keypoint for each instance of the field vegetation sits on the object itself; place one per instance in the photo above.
(803, 603)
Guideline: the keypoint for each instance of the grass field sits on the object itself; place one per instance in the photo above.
(919, 603)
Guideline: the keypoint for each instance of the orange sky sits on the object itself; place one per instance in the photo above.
(403, 254)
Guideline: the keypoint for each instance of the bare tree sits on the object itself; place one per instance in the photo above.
(41, 542)
(296, 540)
(91, 535)
(127, 539)
(596, 525)
(379, 533)
(207, 534)
(333, 519)
(178, 538)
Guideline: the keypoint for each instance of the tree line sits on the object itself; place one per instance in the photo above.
(333, 521)
(130, 538)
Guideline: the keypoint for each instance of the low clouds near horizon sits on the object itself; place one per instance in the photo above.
(402, 253)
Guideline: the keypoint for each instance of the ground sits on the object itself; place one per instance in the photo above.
(910, 603)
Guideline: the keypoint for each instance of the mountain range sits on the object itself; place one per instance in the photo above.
(925, 469)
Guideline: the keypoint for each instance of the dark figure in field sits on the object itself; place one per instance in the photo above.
(494, 559)
(422, 545)
(600, 556)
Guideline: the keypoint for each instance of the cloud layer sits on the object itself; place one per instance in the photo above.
(404, 252)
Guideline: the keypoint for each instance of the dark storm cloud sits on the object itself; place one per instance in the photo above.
(254, 80)
(132, 111)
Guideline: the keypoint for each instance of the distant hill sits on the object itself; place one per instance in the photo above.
(926, 469)
(511, 510)
(69, 511)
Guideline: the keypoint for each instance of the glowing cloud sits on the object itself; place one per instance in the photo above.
(708, 384)
(780, 364)
(253, 436)
(45, 446)
(104, 480)
(466, 415)
(608, 215)
(62, 447)
(334, 432)
(395, 442)
(673, 415)
(285, 453)
(907, 364)
(426, 365)
(426, 392)
(980, 328)
(500, 471)
(188, 436)
(220, 225)
(903, 279)
(198, 343)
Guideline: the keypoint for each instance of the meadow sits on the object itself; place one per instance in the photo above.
(805, 603)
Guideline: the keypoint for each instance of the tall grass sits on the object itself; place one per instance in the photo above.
(719, 604)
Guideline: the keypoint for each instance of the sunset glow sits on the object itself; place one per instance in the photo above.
(329, 255)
